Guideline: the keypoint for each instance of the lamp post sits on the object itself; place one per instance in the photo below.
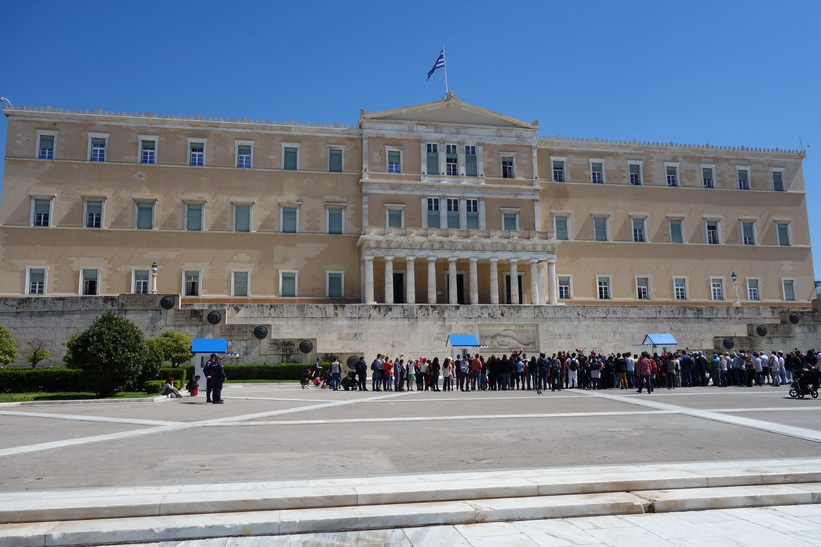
(154, 269)
(736, 302)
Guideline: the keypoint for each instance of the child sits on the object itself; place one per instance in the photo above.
(193, 386)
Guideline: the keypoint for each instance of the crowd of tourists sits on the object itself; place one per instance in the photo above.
(570, 370)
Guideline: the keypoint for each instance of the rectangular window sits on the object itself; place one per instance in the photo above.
(564, 287)
(789, 289)
(471, 162)
(778, 181)
(335, 221)
(141, 281)
(90, 280)
(94, 214)
(748, 233)
(635, 174)
(242, 218)
(562, 231)
(148, 152)
(558, 171)
(239, 283)
(597, 172)
(394, 161)
(680, 288)
(145, 216)
(36, 281)
(451, 160)
(453, 213)
(676, 231)
(394, 218)
(782, 230)
(510, 222)
(192, 283)
(46, 147)
(712, 232)
(507, 167)
(193, 217)
(638, 230)
(672, 175)
(290, 158)
(98, 149)
(244, 156)
(600, 228)
(335, 160)
(472, 213)
(743, 179)
(196, 154)
(41, 212)
(707, 177)
(717, 289)
(433, 213)
(433, 159)
(752, 289)
(287, 283)
(334, 284)
(603, 288)
(643, 288)
(289, 220)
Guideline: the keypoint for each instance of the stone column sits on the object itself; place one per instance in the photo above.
(410, 281)
(514, 281)
(388, 280)
(534, 282)
(542, 283)
(494, 280)
(369, 299)
(552, 283)
(431, 280)
(452, 281)
(474, 282)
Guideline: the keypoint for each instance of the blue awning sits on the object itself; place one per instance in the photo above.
(464, 341)
(209, 345)
(659, 340)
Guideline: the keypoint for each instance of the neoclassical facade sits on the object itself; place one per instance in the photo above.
(437, 203)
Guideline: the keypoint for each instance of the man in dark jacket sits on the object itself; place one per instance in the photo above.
(206, 371)
(217, 377)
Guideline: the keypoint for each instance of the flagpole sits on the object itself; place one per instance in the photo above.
(446, 69)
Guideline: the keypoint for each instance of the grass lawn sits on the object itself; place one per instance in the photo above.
(67, 396)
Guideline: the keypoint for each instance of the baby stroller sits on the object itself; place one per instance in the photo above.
(806, 383)
(349, 382)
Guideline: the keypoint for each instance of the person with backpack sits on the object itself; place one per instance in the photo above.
(573, 371)
(555, 373)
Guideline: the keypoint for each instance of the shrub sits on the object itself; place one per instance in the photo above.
(50, 379)
(8, 346)
(175, 347)
(178, 373)
(154, 386)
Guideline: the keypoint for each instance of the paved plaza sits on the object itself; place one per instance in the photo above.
(280, 432)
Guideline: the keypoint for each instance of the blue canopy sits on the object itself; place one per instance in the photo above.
(464, 341)
(659, 340)
(209, 345)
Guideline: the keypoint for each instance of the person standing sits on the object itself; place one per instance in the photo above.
(644, 370)
(447, 375)
(218, 378)
(376, 370)
(361, 373)
(209, 383)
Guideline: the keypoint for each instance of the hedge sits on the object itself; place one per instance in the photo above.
(178, 373)
(280, 371)
(47, 379)
(155, 386)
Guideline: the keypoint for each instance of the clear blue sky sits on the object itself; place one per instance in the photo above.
(723, 72)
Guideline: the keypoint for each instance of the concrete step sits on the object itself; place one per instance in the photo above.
(401, 515)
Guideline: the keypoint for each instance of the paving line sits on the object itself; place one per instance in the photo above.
(761, 425)
(85, 418)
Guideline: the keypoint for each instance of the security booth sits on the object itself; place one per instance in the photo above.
(204, 347)
(655, 340)
(461, 343)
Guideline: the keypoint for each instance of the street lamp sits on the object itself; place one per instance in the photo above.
(154, 269)
(736, 302)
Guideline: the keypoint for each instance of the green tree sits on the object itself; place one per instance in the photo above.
(8, 346)
(112, 352)
(175, 347)
(37, 352)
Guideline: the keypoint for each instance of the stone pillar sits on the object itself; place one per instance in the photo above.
(514, 281)
(534, 283)
(552, 283)
(369, 299)
(474, 281)
(542, 283)
(431, 280)
(410, 281)
(494, 280)
(388, 280)
(452, 281)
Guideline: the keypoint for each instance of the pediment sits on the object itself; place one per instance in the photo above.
(448, 111)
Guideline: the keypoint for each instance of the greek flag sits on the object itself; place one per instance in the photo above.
(440, 63)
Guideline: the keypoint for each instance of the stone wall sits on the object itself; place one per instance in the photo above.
(412, 330)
